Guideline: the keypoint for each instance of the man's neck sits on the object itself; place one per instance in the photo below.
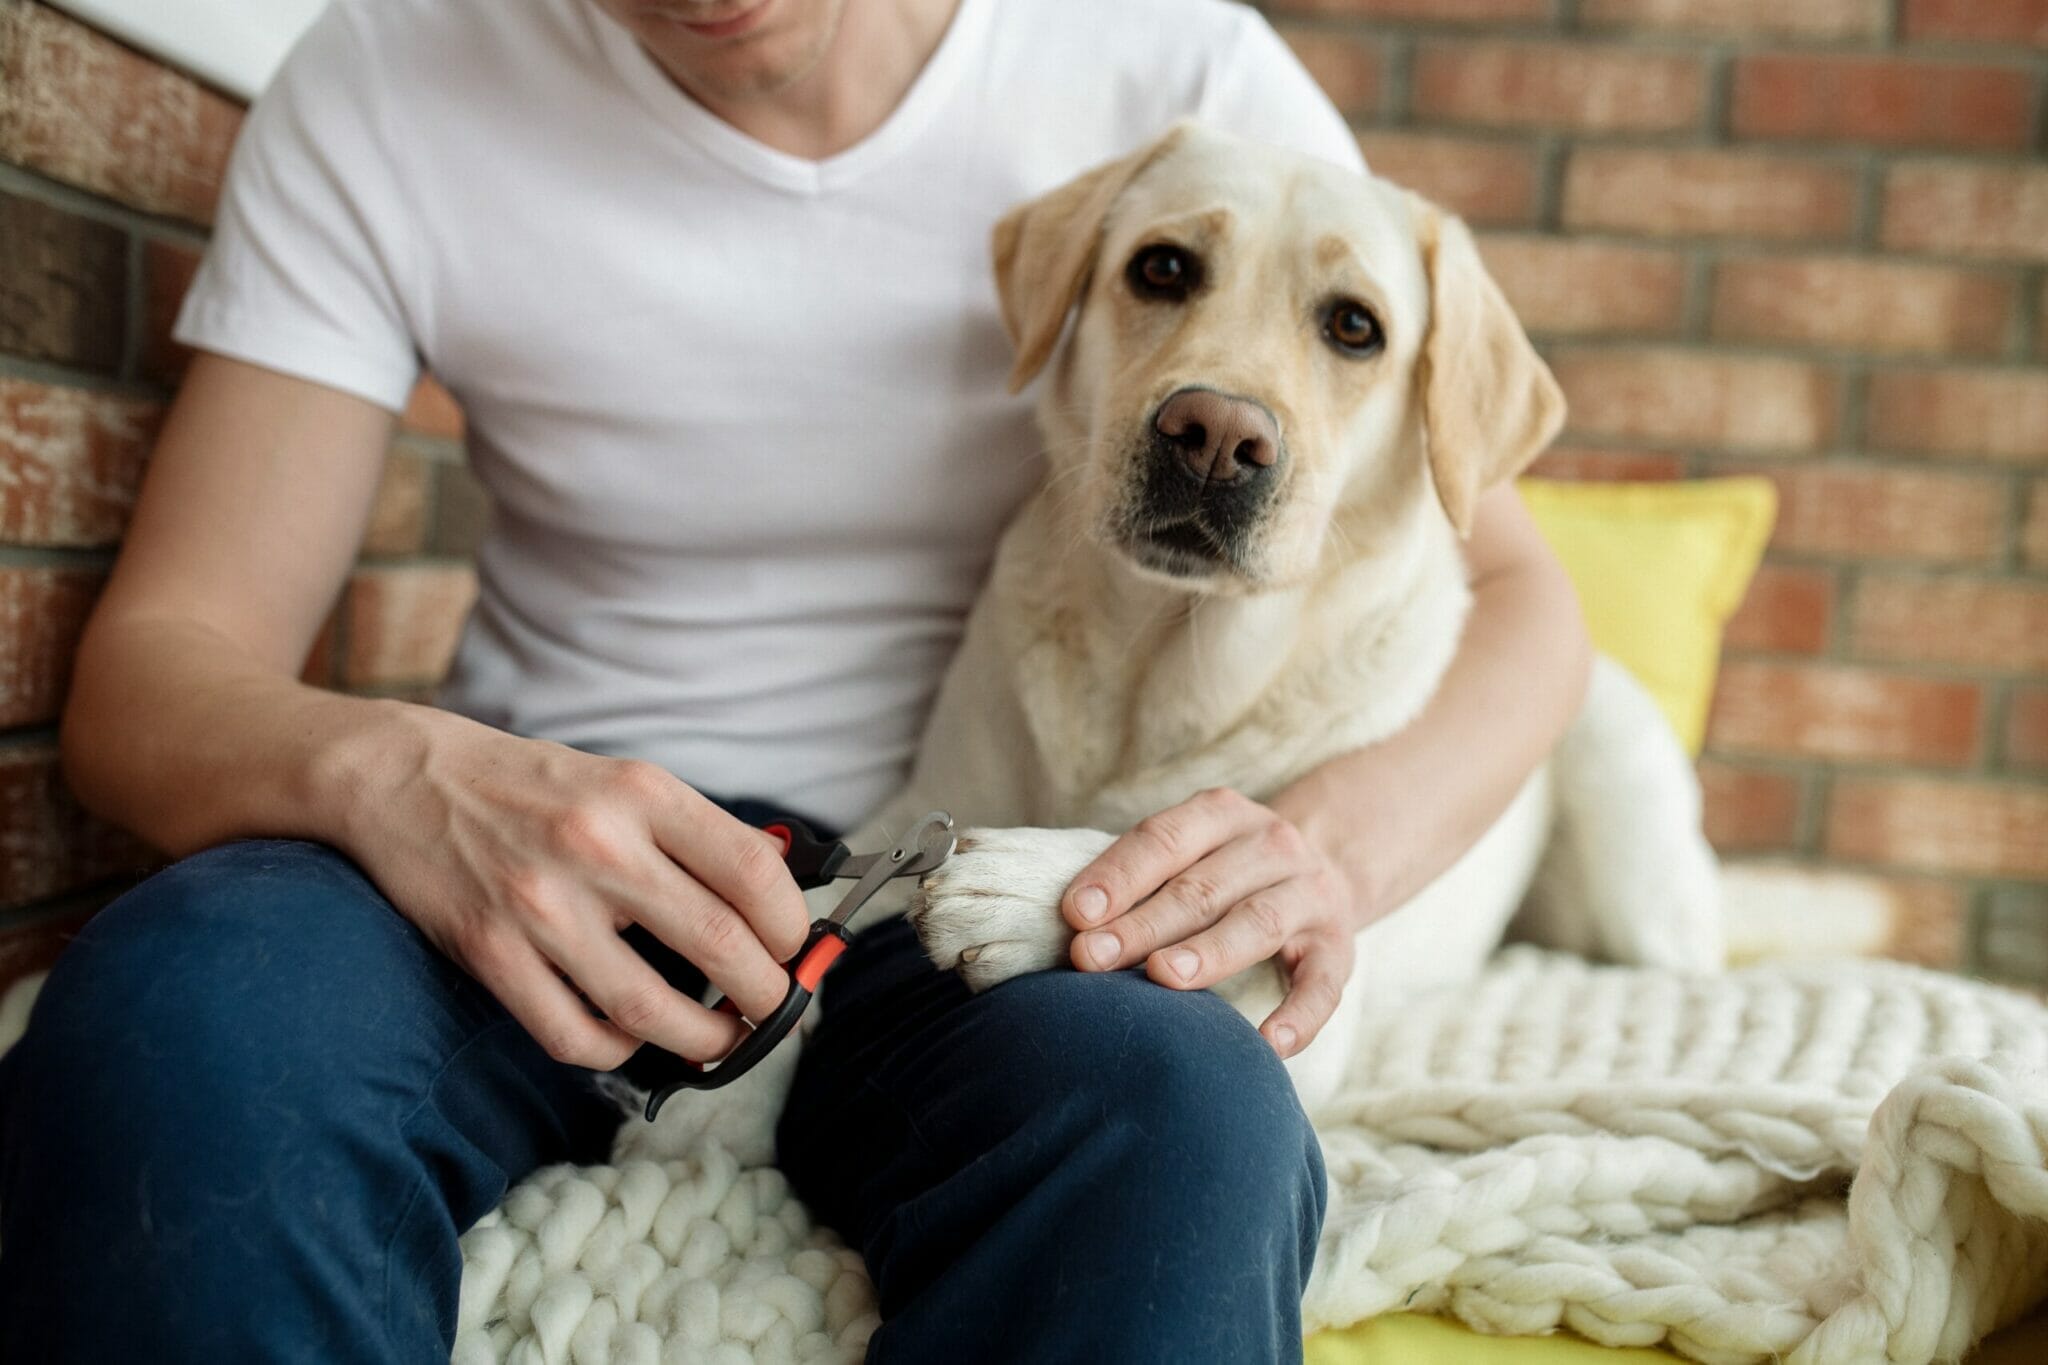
(865, 73)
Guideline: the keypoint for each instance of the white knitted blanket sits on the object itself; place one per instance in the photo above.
(1836, 1164)
(1841, 1162)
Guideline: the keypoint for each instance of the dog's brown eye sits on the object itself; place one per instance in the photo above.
(1163, 272)
(1352, 328)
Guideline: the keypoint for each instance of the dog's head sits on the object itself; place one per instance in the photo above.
(1274, 360)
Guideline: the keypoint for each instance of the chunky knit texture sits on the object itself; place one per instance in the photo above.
(1645, 1157)
(659, 1264)
(1836, 1164)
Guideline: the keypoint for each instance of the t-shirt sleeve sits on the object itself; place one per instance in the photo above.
(1260, 90)
(308, 269)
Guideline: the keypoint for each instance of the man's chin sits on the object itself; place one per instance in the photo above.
(786, 45)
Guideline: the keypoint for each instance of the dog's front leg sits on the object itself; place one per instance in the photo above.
(992, 910)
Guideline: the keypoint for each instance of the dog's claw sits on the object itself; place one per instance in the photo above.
(992, 910)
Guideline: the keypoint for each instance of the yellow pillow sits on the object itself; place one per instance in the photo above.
(1660, 567)
(1411, 1339)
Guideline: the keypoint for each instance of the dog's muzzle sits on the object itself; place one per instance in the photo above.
(1210, 469)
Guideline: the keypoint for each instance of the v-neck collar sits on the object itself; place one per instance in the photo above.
(779, 169)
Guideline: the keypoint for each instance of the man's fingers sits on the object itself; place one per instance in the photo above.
(738, 863)
(547, 1009)
(635, 998)
(1316, 979)
(715, 939)
(1252, 932)
(1189, 903)
(1153, 851)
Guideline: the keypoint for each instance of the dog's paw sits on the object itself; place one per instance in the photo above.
(992, 910)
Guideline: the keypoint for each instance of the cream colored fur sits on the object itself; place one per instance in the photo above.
(1091, 691)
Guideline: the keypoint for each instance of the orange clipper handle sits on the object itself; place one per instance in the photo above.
(826, 942)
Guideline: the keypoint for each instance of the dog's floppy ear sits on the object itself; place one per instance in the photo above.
(1489, 402)
(1045, 248)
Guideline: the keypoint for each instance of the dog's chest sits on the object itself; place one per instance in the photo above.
(1248, 700)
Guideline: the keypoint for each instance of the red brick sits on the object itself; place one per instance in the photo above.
(1807, 710)
(1583, 87)
(1851, 510)
(2034, 533)
(404, 622)
(398, 517)
(1977, 21)
(1562, 286)
(1749, 809)
(79, 107)
(1743, 18)
(30, 947)
(1350, 69)
(1952, 619)
(1777, 911)
(1786, 611)
(1599, 463)
(1438, 11)
(1881, 100)
(63, 285)
(42, 613)
(1695, 397)
(1930, 921)
(1981, 414)
(1966, 209)
(1863, 304)
(70, 463)
(48, 844)
(1487, 183)
(167, 271)
(1685, 193)
(432, 410)
(2026, 728)
(1972, 827)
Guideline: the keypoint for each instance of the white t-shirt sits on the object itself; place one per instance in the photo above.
(743, 415)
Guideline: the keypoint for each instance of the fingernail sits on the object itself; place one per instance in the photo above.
(1283, 1040)
(1102, 949)
(1183, 962)
(1091, 903)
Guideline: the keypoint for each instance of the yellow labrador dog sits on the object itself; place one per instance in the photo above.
(1284, 389)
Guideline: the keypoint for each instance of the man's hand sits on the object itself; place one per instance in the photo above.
(1211, 886)
(522, 860)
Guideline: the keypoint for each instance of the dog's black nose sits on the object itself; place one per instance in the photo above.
(1218, 435)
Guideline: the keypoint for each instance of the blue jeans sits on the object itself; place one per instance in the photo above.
(255, 1108)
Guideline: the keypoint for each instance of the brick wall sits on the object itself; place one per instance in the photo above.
(1807, 239)
(1801, 237)
(110, 166)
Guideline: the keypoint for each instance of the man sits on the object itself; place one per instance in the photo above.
(709, 277)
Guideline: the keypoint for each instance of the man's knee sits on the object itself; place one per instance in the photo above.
(212, 1100)
(255, 965)
(1206, 1104)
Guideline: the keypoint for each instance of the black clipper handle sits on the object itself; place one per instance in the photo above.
(811, 860)
(664, 1073)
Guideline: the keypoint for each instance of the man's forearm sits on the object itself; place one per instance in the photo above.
(173, 734)
(1396, 815)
